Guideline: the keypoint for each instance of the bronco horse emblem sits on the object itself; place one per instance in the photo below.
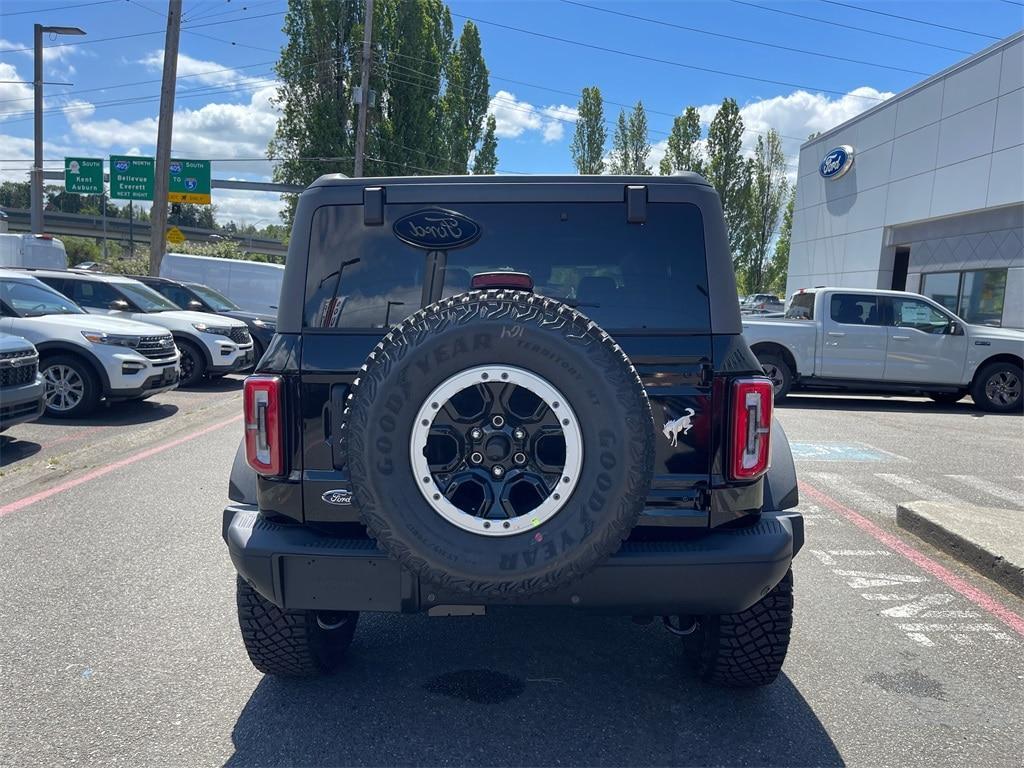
(682, 425)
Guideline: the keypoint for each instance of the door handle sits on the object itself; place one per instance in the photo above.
(836, 333)
(900, 338)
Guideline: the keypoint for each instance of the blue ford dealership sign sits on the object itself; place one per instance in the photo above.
(837, 162)
(436, 229)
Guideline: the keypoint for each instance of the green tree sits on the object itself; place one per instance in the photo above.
(729, 173)
(683, 152)
(630, 148)
(778, 269)
(769, 189)
(486, 159)
(588, 140)
(465, 99)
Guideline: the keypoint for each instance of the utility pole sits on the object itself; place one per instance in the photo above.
(36, 201)
(158, 219)
(364, 88)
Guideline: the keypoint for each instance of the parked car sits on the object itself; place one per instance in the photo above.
(208, 347)
(202, 298)
(22, 250)
(868, 340)
(455, 435)
(21, 386)
(85, 358)
(760, 303)
(253, 285)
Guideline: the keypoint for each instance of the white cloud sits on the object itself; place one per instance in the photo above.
(514, 117)
(199, 72)
(14, 97)
(244, 207)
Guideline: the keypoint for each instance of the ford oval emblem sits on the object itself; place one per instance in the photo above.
(340, 497)
(837, 162)
(436, 229)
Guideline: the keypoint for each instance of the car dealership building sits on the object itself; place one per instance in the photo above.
(924, 192)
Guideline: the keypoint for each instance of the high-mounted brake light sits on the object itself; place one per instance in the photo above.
(515, 280)
(264, 449)
(750, 447)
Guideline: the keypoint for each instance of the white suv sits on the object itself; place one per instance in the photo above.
(210, 346)
(84, 358)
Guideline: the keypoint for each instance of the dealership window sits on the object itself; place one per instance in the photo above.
(976, 295)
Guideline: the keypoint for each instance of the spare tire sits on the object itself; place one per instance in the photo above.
(499, 444)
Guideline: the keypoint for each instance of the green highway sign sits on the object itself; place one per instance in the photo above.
(131, 178)
(189, 182)
(83, 175)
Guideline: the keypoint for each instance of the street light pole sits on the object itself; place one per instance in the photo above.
(36, 205)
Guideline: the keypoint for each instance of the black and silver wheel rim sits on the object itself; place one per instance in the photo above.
(496, 450)
(64, 387)
(774, 372)
(187, 364)
(1003, 388)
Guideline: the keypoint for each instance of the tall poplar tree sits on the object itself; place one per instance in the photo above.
(588, 140)
(769, 188)
(729, 173)
(630, 147)
(486, 159)
(683, 152)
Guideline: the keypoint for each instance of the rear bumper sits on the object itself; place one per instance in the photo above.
(723, 571)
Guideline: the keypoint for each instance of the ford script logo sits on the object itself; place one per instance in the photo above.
(837, 162)
(339, 498)
(436, 229)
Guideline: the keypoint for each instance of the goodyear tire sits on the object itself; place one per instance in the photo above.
(499, 443)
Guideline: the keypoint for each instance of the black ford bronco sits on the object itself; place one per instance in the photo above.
(526, 391)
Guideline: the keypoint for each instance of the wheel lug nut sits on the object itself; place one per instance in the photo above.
(498, 422)
(476, 457)
(519, 458)
(476, 433)
(520, 433)
(497, 470)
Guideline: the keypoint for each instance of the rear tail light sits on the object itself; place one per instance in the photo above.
(264, 449)
(750, 449)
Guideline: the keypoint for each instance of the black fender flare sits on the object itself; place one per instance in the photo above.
(781, 490)
(242, 484)
(63, 347)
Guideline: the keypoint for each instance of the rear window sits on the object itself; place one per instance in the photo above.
(801, 307)
(624, 276)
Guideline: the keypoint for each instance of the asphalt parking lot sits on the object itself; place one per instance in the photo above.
(118, 642)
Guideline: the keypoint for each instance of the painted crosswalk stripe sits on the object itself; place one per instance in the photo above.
(920, 491)
(865, 579)
(861, 499)
(1014, 497)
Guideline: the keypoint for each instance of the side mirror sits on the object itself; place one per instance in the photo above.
(195, 305)
(118, 304)
(954, 329)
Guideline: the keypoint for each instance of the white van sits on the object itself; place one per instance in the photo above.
(252, 285)
(42, 251)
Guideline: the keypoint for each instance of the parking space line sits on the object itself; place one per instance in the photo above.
(1017, 499)
(921, 560)
(919, 490)
(14, 506)
(866, 501)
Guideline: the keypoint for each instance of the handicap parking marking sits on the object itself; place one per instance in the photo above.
(826, 451)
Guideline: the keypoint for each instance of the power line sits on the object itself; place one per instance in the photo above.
(657, 60)
(829, 22)
(93, 41)
(57, 8)
(230, 42)
(910, 19)
(766, 44)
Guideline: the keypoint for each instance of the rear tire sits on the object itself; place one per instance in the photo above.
(193, 364)
(998, 388)
(291, 643)
(745, 649)
(72, 388)
(778, 370)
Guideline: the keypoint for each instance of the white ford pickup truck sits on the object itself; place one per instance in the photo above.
(888, 341)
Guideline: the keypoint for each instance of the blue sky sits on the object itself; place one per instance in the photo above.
(112, 105)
